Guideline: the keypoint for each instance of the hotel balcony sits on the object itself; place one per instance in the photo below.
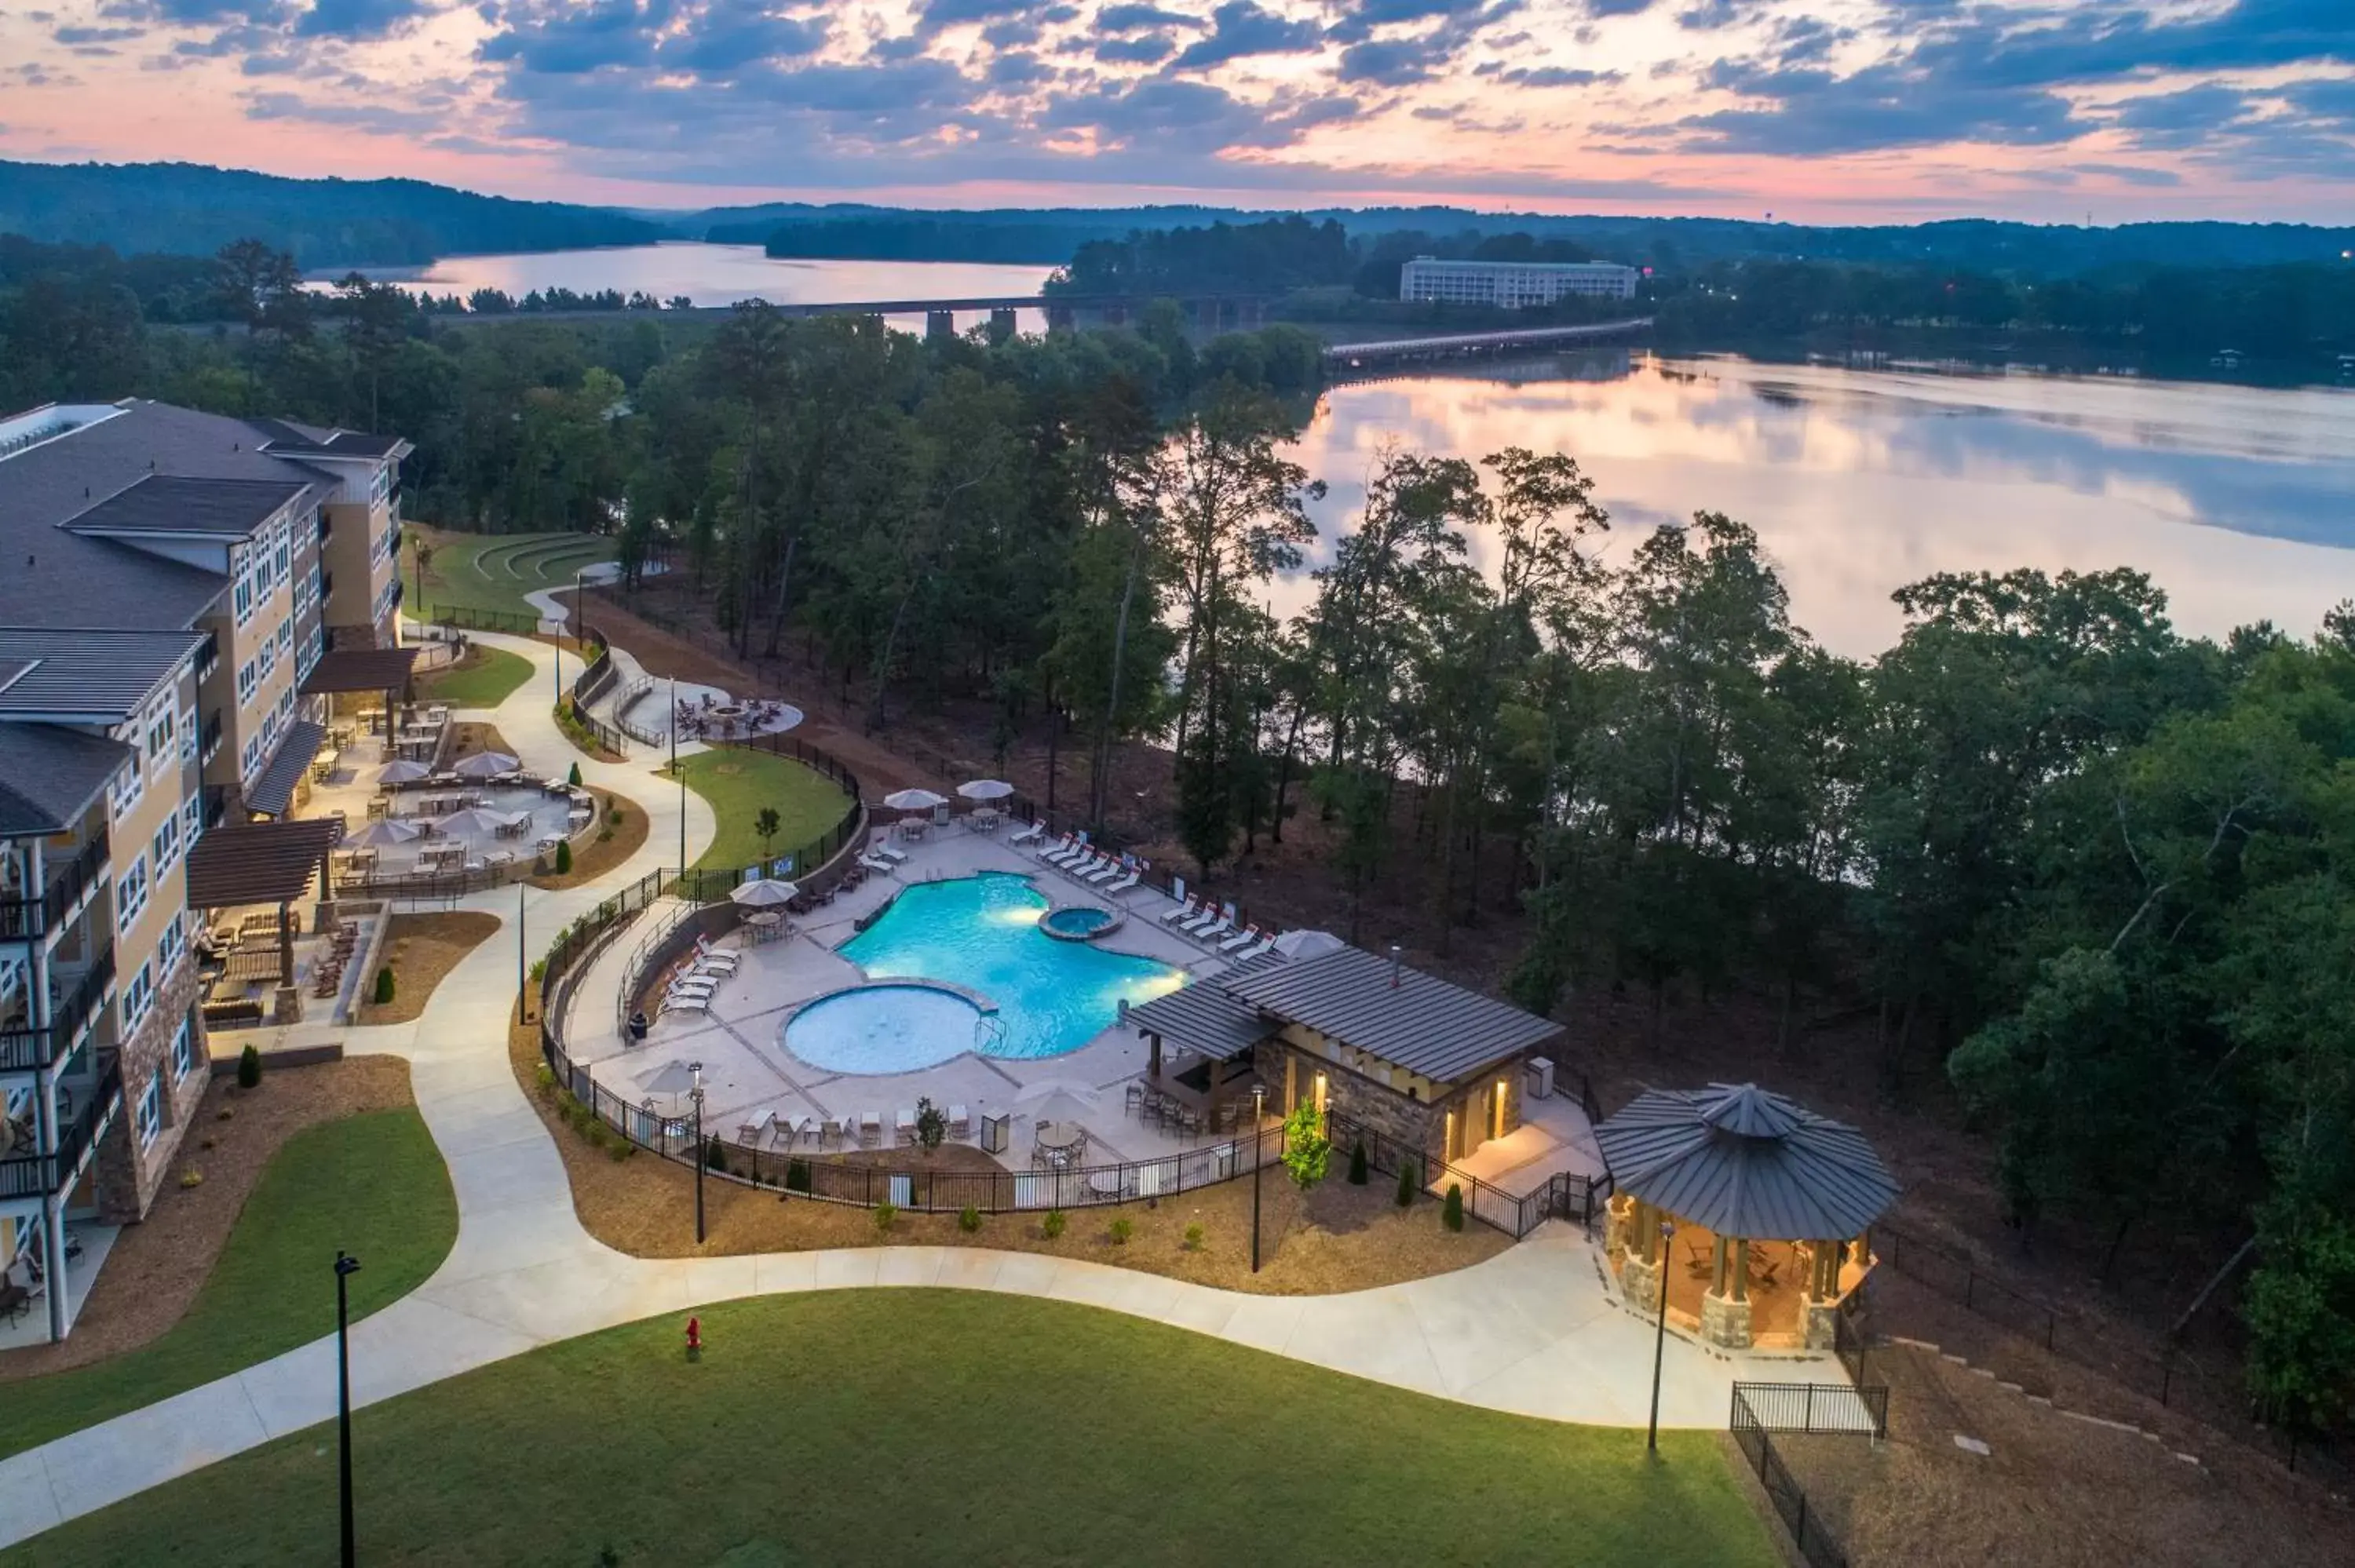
(45, 1174)
(66, 892)
(77, 1002)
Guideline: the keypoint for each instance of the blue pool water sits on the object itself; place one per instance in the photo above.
(981, 933)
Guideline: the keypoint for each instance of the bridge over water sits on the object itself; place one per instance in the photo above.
(1388, 353)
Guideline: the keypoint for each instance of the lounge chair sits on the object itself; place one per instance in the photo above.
(1184, 911)
(752, 1132)
(871, 1124)
(1031, 834)
(892, 853)
(1240, 940)
(686, 1004)
(1102, 873)
(1066, 855)
(1265, 945)
(1204, 919)
(903, 1125)
(876, 863)
(1127, 880)
(1213, 931)
(709, 957)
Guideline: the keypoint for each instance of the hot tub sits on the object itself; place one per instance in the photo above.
(1078, 922)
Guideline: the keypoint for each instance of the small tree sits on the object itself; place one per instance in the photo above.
(714, 1154)
(797, 1176)
(1358, 1163)
(766, 822)
(969, 1219)
(1407, 1183)
(249, 1067)
(1193, 1238)
(931, 1126)
(885, 1213)
(1452, 1214)
(1306, 1150)
(384, 986)
(573, 777)
(1052, 1225)
(1122, 1229)
(563, 857)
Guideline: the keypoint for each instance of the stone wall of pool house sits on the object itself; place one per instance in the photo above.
(1289, 1071)
(125, 1177)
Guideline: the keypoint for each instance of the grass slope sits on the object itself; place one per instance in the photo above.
(372, 1184)
(738, 783)
(483, 679)
(494, 571)
(937, 1426)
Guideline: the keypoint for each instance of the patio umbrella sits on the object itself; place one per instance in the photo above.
(986, 789)
(1308, 943)
(477, 819)
(672, 1079)
(402, 772)
(483, 764)
(763, 893)
(383, 830)
(1059, 1099)
(914, 800)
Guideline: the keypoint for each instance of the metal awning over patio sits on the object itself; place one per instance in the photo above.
(1204, 1019)
(1745, 1162)
(360, 670)
(1416, 1021)
(259, 862)
(274, 791)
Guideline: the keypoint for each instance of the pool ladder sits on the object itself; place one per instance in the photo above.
(988, 1030)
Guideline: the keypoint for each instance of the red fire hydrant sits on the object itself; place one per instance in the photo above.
(694, 1339)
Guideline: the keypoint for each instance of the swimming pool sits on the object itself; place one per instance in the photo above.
(980, 933)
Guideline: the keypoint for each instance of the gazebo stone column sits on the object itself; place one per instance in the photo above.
(1819, 1305)
(1644, 1275)
(1619, 1214)
(1726, 1318)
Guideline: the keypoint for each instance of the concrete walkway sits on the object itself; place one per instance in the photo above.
(1532, 1330)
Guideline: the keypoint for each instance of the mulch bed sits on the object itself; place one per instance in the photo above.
(421, 951)
(599, 855)
(158, 1266)
(1335, 1238)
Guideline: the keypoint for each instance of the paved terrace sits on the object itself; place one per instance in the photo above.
(1533, 1331)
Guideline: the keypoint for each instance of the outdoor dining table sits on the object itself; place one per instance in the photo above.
(1104, 1183)
(323, 766)
(1060, 1137)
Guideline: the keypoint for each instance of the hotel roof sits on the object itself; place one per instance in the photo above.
(79, 675)
(217, 508)
(49, 776)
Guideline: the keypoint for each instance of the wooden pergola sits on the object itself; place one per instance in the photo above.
(262, 862)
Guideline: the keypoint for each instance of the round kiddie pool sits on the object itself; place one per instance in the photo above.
(887, 1028)
(1078, 922)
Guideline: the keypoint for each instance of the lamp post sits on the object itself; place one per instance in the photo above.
(1660, 1337)
(523, 968)
(682, 785)
(1259, 1159)
(697, 1096)
(579, 612)
(345, 1266)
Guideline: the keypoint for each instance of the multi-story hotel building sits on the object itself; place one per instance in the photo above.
(1513, 285)
(168, 580)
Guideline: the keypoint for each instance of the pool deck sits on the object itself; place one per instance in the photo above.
(747, 1074)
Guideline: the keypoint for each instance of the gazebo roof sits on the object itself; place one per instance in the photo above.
(1746, 1162)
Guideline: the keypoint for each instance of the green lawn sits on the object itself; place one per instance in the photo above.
(738, 783)
(372, 1184)
(494, 571)
(490, 677)
(937, 1426)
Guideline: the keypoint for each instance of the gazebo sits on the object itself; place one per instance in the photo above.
(1771, 1205)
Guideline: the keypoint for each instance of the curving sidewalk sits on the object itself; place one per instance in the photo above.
(1532, 1330)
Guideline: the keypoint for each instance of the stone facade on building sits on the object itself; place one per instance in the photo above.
(128, 1178)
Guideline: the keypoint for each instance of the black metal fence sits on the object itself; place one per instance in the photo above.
(508, 620)
(557, 968)
(2175, 1381)
(1565, 1196)
(1836, 1408)
(1750, 1434)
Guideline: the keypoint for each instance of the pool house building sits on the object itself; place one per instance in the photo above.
(1430, 1066)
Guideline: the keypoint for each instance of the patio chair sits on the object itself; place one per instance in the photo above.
(1240, 940)
(876, 863)
(752, 1132)
(1105, 871)
(1133, 1098)
(1184, 911)
(829, 1130)
(1214, 924)
(1031, 834)
(686, 1004)
(890, 851)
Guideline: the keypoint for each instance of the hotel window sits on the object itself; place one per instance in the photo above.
(283, 550)
(184, 1050)
(151, 1111)
(285, 638)
(286, 706)
(131, 891)
(246, 682)
(192, 818)
(159, 729)
(248, 757)
(266, 658)
(124, 792)
(175, 943)
(166, 847)
(244, 593)
(138, 996)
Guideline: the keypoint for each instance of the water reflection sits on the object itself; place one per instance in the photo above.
(2237, 501)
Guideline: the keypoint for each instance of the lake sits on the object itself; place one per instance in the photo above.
(720, 275)
(2239, 501)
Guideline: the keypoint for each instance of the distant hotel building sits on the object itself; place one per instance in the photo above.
(1513, 285)
(172, 582)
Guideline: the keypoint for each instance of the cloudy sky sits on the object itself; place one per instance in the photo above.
(1815, 109)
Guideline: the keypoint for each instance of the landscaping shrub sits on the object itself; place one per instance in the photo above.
(573, 777)
(564, 857)
(1122, 1229)
(797, 1176)
(1358, 1163)
(1452, 1216)
(884, 1215)
(612, 813)
(190, 1179)
(969, 1219)
(714, 1154)
(249, 1067)
(1407, 1183)
(384, 986)
(1052, 1225)
(931, 1126)
(1193, 1238)
(1308, 1151)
